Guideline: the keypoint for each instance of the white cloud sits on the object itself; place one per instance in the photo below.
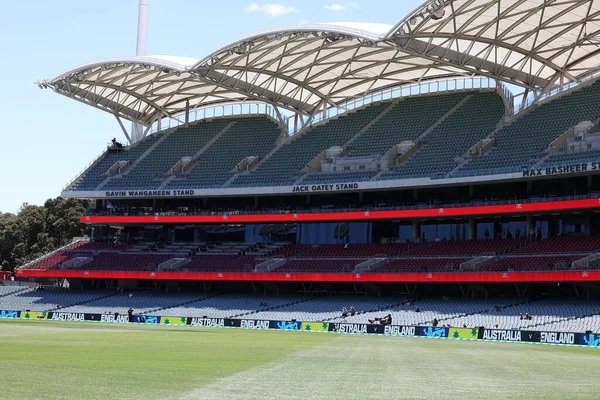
(341, 7)
(335, 7)
(273, 10)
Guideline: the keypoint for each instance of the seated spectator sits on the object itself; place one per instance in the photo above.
(417, 309)
(435, 322)
(520, 315)
(352, 311)
(344, 312)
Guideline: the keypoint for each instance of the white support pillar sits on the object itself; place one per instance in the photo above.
(187, 113)
(137, 130)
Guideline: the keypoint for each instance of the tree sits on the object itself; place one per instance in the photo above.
(35, 231)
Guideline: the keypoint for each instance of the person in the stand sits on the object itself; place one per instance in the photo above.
(520, 315)
(435, 322)
(417, 309)
(344, 312)
(352, 311)
(517, 233)
(387, 320)
(486, 234)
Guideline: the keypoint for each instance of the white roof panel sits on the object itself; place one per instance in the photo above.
(305, 68)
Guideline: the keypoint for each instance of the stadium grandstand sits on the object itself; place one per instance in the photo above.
(450, 160)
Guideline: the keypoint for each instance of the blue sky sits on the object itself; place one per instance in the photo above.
(47, 139)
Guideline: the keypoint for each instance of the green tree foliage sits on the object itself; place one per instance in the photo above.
(37, 230)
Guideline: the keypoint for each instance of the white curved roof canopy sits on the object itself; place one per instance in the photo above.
(531, 43)
(306, 68)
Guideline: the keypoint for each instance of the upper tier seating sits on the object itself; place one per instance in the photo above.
(524, 139)
(92, 178)
(284, 166)
(154, 169)
(405, 121)
(471, 122)
(251, 136)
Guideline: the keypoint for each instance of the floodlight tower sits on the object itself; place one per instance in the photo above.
(142, 41)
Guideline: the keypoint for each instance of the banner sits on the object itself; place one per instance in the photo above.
(206, 322)
(146, 319)
(113, 318)
(355, 328)
(255, 324)
(173, 320)
(397, 330)
(463, 333)
(315, 326)
(589, 339)
(5, 314)
(435, 332)
(32, 315)
(559, 337)
(67, 316)
(285, 325)
(501, 334)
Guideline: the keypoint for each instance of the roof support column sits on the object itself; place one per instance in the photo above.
(187, 113)
(123, 129)
(524, 99)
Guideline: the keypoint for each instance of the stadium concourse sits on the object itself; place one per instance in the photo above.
(453, 155)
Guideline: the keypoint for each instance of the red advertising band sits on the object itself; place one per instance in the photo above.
(352, 216)
(492, 277)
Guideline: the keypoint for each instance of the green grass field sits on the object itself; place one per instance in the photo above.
(58, 360)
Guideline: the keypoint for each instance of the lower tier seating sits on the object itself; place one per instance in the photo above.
(564, 315)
